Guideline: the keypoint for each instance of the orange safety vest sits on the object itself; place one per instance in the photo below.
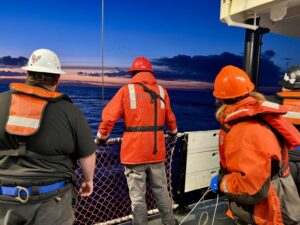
(250, 145)
(145, 107)
(26, 108)
(291, 99)
(25, 116)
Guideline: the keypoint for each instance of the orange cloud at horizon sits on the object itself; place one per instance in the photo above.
(73, 78)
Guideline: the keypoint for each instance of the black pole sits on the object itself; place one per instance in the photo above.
(182, 208)
(252, 49)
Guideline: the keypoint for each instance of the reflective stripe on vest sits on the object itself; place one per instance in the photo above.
(162, 94)
(293, 114)
(224, 185)
(23, 122)
(132, 96)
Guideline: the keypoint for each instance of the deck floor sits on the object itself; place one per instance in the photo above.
(204, 209)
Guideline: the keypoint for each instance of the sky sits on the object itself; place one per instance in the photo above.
(151, 28)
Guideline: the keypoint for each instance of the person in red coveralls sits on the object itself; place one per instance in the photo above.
(145, 107)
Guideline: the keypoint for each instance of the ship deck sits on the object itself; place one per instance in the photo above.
(201, 215)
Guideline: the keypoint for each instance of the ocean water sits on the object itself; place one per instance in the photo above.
(194, 109)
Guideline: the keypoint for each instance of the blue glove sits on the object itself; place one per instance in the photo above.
(214, 184)
(297, 148)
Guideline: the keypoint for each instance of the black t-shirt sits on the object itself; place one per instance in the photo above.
(63, 131)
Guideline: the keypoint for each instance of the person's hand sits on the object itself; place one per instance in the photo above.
(86, 188)
(172, 133)
(100, 142)
(214, 184)
(101, 139)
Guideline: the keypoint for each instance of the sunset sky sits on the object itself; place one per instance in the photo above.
(152, 28)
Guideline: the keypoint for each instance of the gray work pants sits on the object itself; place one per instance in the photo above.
(56, 211)
(136, 179)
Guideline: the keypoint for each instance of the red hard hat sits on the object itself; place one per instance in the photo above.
(141, 64)
(232, 82)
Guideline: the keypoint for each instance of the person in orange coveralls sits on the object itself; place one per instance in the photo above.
(145, 107)
(289, 96)
(253, 143)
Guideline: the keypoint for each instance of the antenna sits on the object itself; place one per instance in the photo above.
(102, 53)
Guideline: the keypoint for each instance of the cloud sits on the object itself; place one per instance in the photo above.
(268, 54)
(205, 68)
(10, 61)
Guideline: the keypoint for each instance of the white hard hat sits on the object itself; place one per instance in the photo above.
(44, 60)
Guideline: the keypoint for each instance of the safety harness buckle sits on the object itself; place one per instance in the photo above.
(22, 198)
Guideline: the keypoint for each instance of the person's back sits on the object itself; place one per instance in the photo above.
(142, 116)
(42, 134)
(145, 107)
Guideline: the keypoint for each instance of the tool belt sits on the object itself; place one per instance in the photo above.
(23, 194)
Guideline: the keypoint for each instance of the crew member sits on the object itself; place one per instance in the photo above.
(42, 134)
(145, 107)
(253, 144)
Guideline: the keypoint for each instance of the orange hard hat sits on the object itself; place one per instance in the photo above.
(141, 64)
(232, 82)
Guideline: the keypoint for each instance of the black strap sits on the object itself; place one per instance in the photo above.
(224, 128)
(144, 128)
(51, 158)
(152, 93)
(154, 97)
(22, 151)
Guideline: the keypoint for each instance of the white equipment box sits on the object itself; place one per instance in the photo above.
(203, 159)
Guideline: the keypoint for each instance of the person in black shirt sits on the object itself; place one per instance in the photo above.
(42, 135)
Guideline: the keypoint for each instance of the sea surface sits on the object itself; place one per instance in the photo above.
(194, 109)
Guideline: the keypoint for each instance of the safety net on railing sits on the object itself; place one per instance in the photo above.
(110, 202)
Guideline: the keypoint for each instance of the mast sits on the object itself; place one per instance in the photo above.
(252, 50)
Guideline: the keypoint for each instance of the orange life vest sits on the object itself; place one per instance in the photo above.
(291, 99)
(26, 108)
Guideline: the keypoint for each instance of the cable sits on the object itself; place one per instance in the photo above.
(206, 220)
(213, 220)
(206, 192)
(102, 53)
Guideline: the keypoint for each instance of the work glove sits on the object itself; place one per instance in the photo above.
(100, 142)
(172, 134)
(214, 184)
